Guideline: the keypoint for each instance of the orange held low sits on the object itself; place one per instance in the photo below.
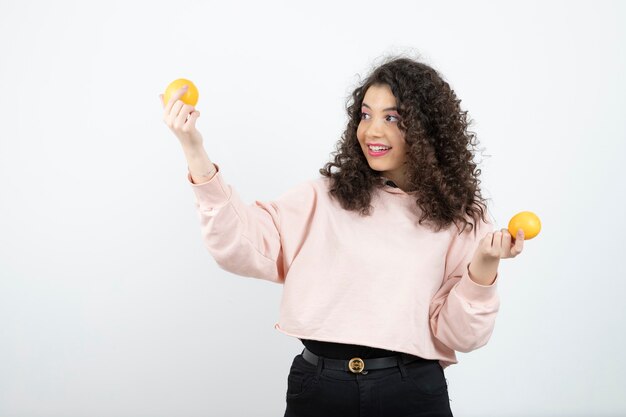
(191, 95)
(528, 222)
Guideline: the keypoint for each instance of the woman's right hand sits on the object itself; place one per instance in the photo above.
(181, 119)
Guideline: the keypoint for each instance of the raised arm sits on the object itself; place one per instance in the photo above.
(245, 239)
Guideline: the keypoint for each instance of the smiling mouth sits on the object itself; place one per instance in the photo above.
(376, 148)
(377, 153)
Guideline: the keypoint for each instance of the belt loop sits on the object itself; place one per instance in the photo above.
(401, 366)
(320, 365)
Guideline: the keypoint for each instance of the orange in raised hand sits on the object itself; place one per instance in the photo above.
(528, 222)
(191, 95)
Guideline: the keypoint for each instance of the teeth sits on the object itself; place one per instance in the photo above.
(378, 148)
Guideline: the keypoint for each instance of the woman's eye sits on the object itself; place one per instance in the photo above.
(365, 114)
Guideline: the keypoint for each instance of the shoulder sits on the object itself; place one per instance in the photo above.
(321, 183)
(304, 191)
(319, 186)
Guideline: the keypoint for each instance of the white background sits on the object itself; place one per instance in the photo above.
(111, 306)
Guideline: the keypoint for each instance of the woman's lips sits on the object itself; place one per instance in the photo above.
(379, 153)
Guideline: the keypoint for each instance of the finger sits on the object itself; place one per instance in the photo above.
(176, 109)
(496, 247)
(171, 110)
(161, 100)
(506, 242)
(487, 244)
(519, 241)
(497, 239)
(177, 95)
(183, 115)
(171, 116)
(192, 119)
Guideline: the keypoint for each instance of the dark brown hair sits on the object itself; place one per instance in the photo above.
(439, 148)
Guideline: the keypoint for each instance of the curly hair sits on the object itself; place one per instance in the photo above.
(439, 148)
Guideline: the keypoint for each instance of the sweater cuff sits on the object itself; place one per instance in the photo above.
(213, 193)
(473, 291)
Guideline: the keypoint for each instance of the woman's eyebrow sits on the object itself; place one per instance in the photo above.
(388, 108)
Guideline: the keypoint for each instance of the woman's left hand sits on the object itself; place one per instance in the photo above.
(493, 247)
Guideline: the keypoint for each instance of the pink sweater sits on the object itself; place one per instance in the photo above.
(382, 281)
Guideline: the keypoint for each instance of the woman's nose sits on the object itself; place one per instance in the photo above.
(374, 129)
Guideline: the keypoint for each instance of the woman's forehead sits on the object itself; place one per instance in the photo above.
(379, 97)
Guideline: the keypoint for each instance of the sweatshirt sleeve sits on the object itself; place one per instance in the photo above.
(463, 312)
(244, 239)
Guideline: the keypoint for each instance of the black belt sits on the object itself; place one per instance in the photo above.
(361, 366)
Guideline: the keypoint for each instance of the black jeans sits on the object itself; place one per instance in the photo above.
(418, 388)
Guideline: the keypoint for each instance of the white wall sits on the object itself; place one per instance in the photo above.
(111, 306)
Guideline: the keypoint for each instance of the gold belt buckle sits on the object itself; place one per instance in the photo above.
(357, 366)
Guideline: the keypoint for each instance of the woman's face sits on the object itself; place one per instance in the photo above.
(379, 125)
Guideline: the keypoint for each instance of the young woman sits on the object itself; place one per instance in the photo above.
(388, 260)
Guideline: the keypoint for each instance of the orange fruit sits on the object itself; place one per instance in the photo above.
(191, 95)
(528, 222)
